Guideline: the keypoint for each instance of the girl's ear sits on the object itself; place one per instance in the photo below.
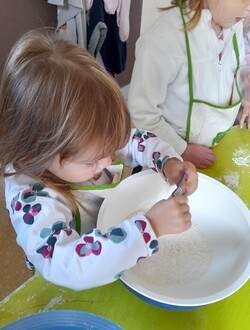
(54, 163)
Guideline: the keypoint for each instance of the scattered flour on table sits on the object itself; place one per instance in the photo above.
(241, 156)
(182, 258)
(55, 301)
(231, 179)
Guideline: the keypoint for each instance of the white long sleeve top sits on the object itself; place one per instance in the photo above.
(46, 228)
(159, 91)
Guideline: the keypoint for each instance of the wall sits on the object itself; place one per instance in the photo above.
(135, 24)
(19, 16)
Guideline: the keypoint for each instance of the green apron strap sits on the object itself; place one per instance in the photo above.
(190, 74)
(237, 54)
(78, 221)
(236, 50)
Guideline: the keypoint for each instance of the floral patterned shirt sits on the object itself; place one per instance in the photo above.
(47, 230)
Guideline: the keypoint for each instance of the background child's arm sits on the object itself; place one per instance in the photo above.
(245, 115)
(245, 77)
(245, 84)
(156, 67)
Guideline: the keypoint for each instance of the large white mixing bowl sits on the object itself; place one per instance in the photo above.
(222, 218)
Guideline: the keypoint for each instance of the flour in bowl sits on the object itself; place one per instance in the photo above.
(182, 258)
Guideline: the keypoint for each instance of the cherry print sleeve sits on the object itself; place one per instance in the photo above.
(146, 149)
(42, 222)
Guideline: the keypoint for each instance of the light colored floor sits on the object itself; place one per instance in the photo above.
(13, 270)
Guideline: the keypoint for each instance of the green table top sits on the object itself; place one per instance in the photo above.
(232, 165)
(116, 303)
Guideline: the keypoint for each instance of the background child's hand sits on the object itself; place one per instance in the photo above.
(245, 82)
(173, 170)
(170, 216)
(199, 155)
(245, 114)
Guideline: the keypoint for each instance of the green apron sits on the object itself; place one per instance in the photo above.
(208, 123)
(90, 197)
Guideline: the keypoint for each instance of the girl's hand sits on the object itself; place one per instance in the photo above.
(200, 156)
(173, 170)
(170, 216)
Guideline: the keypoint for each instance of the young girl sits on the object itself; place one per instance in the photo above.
(62, 119)
(184, 83)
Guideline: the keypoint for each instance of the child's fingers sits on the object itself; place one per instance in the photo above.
(248, 125)
(181, 199)
(242, 120)
(185, 208)
(187, 220)
(189, 185)
(187, 225)
(191, 182)
(243, 117)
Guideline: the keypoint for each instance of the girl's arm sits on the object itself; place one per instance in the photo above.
(42, 222)
(146, 149)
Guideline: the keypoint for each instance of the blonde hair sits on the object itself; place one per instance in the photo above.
(189, 6)
(56, 99)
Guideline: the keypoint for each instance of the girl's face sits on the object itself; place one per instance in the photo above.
(79, 169)
(225, 13)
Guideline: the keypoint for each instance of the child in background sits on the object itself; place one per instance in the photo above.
(184, 83)
(62, 118)
(246, 30)
(245, 77)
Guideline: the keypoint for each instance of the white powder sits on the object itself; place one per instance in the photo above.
(231, 179)
(182, 258)
(241, 156)
(242, 161)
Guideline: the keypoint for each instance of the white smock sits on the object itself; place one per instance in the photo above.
(159, 94)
